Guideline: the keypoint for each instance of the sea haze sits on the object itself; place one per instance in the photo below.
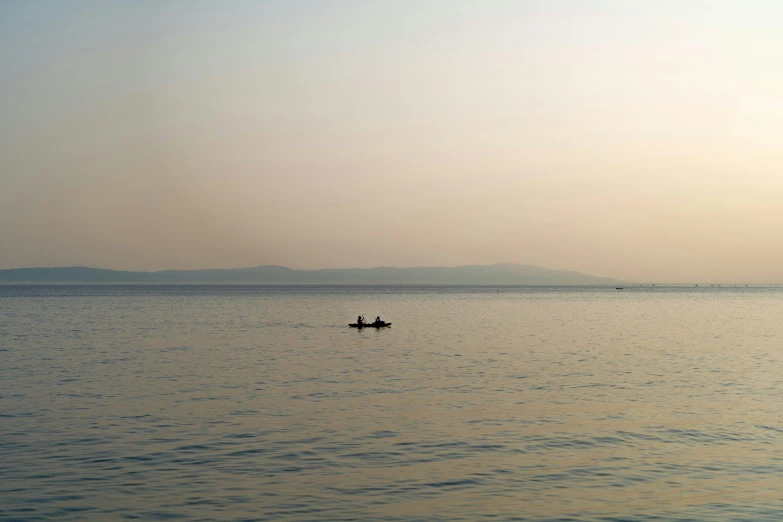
(259, 403)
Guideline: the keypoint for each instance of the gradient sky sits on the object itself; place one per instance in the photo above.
(638, 140)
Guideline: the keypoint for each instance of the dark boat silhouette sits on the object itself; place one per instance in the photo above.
(382, 324)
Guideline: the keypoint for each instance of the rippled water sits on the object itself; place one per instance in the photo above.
(258, 403)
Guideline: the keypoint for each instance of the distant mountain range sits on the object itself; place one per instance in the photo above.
(499, 274)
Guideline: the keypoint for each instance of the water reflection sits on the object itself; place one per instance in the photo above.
(247, 403)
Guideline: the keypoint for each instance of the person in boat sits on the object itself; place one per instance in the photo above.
(378, 320)
(360, 320)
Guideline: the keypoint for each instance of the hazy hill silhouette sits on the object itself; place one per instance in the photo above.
(498, 274)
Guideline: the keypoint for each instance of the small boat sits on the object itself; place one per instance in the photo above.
(382, 324)
(619, 288)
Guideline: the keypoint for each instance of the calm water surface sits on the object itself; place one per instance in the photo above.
(259, 403)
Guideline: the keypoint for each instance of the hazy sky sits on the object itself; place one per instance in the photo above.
(639, 140)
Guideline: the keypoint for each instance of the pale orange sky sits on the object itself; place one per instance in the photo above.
(637, 140)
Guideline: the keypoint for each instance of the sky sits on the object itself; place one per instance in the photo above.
(632, 139)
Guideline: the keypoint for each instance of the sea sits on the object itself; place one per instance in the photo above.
(259, 403)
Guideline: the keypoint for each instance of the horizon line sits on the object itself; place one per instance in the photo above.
(619, 281)
(297, 269)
